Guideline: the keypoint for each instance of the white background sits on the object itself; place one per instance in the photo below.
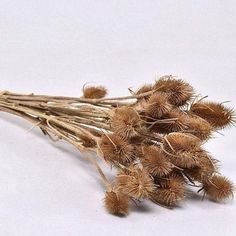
(54, 47)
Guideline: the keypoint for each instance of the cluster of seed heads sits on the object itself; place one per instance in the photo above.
(153, 138)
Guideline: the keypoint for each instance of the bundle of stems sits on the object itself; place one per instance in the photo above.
(153, 138)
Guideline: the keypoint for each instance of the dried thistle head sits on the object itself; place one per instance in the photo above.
(135, 182)
(158, 105)
(218, 188)
(126, 122)
(171, 190)
(94, 92)
(177, 123)
(115, 150)
(187, 158)
(218, 115)
(180, 141)
(184, 159)
(117, 203)
(205, 167)
(199, 127)
(178, 91)
(155, 161)
(144, 89)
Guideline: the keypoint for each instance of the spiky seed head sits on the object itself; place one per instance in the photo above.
(115, 150)
(218, 188)
(218, 115)
(199, 127)
(156, 161)
(135, 182)
(117, 203)
(206, 166)
(94, 92)
(125, 122)
(177, 123)
(180, 141)
(157, 105)
(186, 158)
(170, 192)
(144, 89)
(178, 91)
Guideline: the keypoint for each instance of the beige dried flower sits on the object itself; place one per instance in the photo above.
(178, 91)
(116, 150)
(171, 191)
(180, 141)
(177, 123)
(205, 167)
(135, 182)
(155, 161)
(158, 105)
(216, 114)
(144, 89)
(218, 188)
(94, 92)
(199, 127)
(125, 122)
(117, 203)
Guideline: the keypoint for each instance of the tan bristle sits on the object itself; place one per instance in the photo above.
(179, 92)
(171, 191)
(126, 122)
(175, 125)
(94, 92)
(117, 203)
(180, 141)
(158, 105)
(135, 182)
(116, 150)
(155, 161)
(218, 188)
(218, 115)
(199, 127)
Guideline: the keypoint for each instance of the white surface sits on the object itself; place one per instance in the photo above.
(54, 47)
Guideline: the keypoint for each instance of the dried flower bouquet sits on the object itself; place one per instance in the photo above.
(153, 138)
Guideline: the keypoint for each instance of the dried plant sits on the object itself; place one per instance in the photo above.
(218, 188)
(117, 203)
(153, 138)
